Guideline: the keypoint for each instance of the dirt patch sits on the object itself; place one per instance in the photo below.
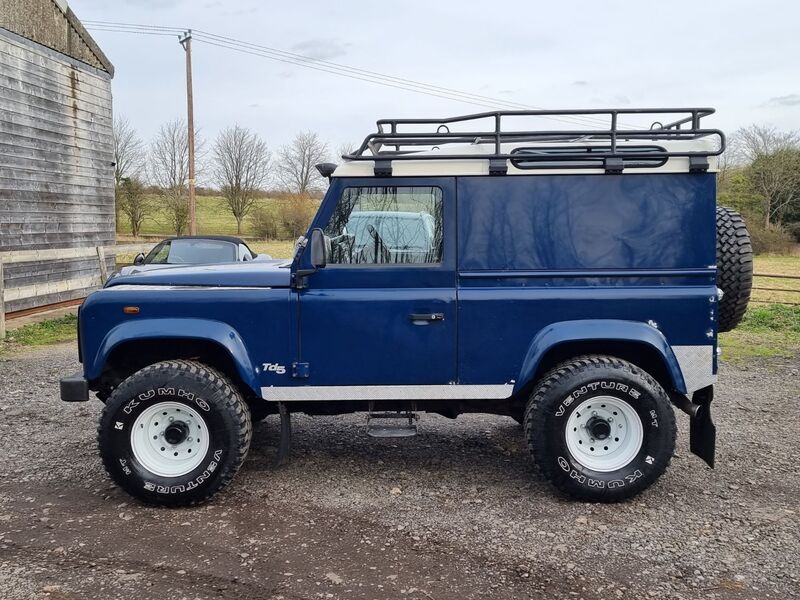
(452, 513)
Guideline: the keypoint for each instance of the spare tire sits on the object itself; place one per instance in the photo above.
(734, 267)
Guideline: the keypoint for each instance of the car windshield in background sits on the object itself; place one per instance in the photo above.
(190, 251)
(402, 231)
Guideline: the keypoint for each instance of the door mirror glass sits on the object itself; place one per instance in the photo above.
(139, 259)
(319, 251)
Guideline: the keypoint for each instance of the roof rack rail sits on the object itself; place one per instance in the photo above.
(389, 143)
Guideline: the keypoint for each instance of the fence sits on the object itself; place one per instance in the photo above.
(777, 289)
(42, 289)
(54, 287)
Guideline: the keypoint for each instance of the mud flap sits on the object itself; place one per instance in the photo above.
(285, 444)
(702, 432)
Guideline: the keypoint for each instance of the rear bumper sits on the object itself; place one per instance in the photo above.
(74, 388)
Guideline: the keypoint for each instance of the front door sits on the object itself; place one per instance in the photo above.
(382, 313)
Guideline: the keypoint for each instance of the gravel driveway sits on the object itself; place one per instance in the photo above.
(452, 513)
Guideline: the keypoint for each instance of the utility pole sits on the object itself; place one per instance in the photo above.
(186, 42)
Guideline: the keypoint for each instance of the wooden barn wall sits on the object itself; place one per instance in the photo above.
(56, 155)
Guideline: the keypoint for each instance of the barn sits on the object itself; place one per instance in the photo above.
(56, 156)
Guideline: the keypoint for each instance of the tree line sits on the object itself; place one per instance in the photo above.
(760, 176)
(154, 177)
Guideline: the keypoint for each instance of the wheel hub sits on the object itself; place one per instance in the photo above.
(176, 432)
(604, 433)
(598, 428)
(169, 439)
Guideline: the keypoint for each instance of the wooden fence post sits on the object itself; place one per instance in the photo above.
(2, 305)
(101, 257)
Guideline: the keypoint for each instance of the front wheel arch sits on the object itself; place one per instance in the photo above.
(128, 357)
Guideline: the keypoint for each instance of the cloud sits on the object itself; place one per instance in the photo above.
(321, 48)
(580, 83)
(788, 100)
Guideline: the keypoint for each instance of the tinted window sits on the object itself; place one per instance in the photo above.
(186, 251)
(387, 225)
(158, 255)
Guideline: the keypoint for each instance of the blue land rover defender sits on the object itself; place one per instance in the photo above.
(574, 279)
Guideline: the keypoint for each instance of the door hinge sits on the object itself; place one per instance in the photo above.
(300, 370)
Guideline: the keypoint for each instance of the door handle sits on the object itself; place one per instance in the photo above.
(426, 317)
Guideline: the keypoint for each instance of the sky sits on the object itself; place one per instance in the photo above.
(742, 58)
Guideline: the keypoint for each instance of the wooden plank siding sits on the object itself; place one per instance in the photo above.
(56, 171)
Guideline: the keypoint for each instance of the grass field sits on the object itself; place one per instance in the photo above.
(213, 217)
(768, 329)
(777, 265)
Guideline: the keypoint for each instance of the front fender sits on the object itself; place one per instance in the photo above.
(598, 330)
(176, 328)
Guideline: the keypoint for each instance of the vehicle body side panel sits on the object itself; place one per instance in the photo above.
(252, 325)
(599, 252)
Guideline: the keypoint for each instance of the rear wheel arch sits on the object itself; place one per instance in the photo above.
(637, 352)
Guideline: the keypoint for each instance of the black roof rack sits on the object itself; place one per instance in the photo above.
(402, 139)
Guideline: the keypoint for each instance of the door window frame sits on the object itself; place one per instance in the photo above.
(386, 275)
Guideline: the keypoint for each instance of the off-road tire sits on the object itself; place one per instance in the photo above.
(201, 389)
(734, 267)
(563, 390)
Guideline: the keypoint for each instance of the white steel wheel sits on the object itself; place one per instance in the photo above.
(604, 434)
(169, 439)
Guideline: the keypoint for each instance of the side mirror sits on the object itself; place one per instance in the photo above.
(319, 251)
(139, 259)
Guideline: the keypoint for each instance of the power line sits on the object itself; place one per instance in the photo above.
(382, 76)
(335, 68)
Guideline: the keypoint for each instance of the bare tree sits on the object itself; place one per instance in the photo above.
(241, 167)
(755, 141)
(134, 203)
(773, 167)
(345, 148)
(169, 170)
(297, 161)
(129, 150)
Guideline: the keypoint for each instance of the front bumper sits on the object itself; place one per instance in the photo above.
(74, 388)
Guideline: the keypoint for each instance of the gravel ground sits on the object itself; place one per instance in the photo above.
(452, 513)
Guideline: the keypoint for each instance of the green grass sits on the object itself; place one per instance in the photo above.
(275, 248)
(767, 331)
(51, 331)
(213, 217)
(776, 265)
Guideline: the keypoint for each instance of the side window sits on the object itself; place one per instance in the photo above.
(386, 225)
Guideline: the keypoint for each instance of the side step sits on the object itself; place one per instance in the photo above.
(394, 424)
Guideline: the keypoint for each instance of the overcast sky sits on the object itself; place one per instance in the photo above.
(743, 58)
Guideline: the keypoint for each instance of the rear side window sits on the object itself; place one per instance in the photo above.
(386, 225)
